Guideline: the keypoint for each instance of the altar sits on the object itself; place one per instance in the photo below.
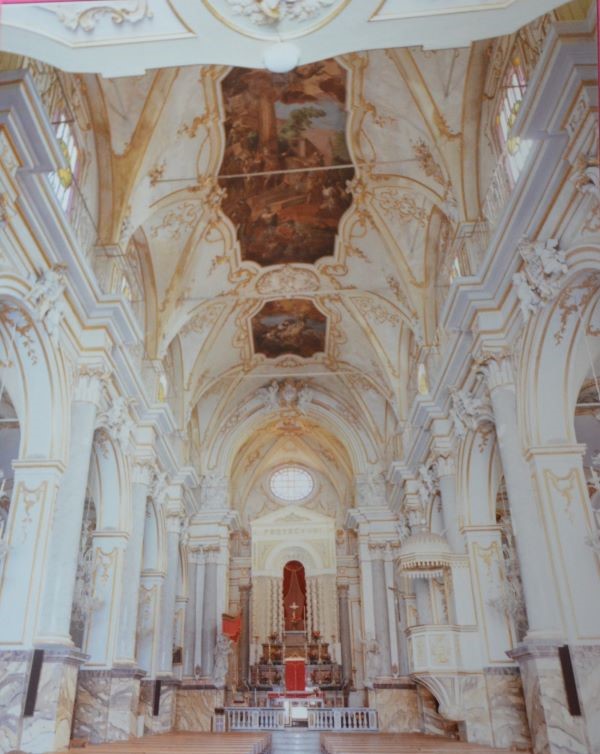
(296, 705)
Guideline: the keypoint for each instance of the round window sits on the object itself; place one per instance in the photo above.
(291, 483)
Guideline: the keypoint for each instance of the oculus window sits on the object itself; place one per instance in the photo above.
(291, 484)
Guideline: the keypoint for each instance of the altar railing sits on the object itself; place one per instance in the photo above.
(254, 718)
(343, 718)
(329, 718)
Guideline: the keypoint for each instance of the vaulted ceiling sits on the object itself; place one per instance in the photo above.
(291, 225)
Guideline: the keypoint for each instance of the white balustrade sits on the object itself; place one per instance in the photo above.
(343, 718)
(254, 718)
(326, 718)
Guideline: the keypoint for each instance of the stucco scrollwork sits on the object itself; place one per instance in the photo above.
(126, 11)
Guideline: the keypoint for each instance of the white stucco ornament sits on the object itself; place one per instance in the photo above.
(542, 276)
(263, 12)
(278, 21)
(46, 296)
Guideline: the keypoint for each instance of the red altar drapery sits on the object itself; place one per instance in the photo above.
(294, 596)
(232, 626)
(295, 675)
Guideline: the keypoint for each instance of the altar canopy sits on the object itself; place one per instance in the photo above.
(294, 596)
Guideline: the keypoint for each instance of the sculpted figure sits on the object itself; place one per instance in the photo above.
(529, 300)
(222, 652)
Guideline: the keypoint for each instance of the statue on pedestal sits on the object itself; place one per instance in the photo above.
(222, 652)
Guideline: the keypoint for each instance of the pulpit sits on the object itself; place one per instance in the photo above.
(295, 674)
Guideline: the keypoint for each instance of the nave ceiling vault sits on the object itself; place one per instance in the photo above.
(365, 163)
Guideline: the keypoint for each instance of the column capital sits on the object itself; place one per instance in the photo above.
(497, 367)
(88, 381)
(445, 464)
(143, 469)
(174, 522)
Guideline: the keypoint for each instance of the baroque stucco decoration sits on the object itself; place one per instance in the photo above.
(541, 278)
(276, 19)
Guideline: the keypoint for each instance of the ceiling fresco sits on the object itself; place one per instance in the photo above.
(258, 265)
(289, 326)
(285, 145)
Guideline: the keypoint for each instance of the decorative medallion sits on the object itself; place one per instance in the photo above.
(270, 19)
(289, 326)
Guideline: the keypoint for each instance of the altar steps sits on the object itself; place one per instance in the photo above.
(295, 741)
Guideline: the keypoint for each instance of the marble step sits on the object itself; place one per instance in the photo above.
(295, 742)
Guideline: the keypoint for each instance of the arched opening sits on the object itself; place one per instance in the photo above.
(294, 596)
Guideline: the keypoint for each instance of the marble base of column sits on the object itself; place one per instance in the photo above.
(553, 729)
(510, 728)
(106, 705)
(49, 729)
(196, 706)
(164, 721)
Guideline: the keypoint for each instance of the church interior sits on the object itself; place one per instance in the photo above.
(299, 376)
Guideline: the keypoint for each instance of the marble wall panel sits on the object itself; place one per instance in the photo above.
(195, 707)
(553, 729)
(586, 664)
(165, 719)
(398, 710)
(106, 705)
(122, 712)
(91, 705)
(510, 729)
(477, 725)
(50, 727)
(14, 671)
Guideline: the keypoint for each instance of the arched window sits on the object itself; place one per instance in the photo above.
(63, 180)
(511, 95)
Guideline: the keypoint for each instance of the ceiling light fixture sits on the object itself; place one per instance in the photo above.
(281, 57)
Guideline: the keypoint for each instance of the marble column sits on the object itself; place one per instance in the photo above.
(209, 615)
(143, 470)
(190, 617)
(543, 612)
(382, 626)
(244, 667)
(165, 659)
(199, 613)
(63, 549)
(345, 637)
